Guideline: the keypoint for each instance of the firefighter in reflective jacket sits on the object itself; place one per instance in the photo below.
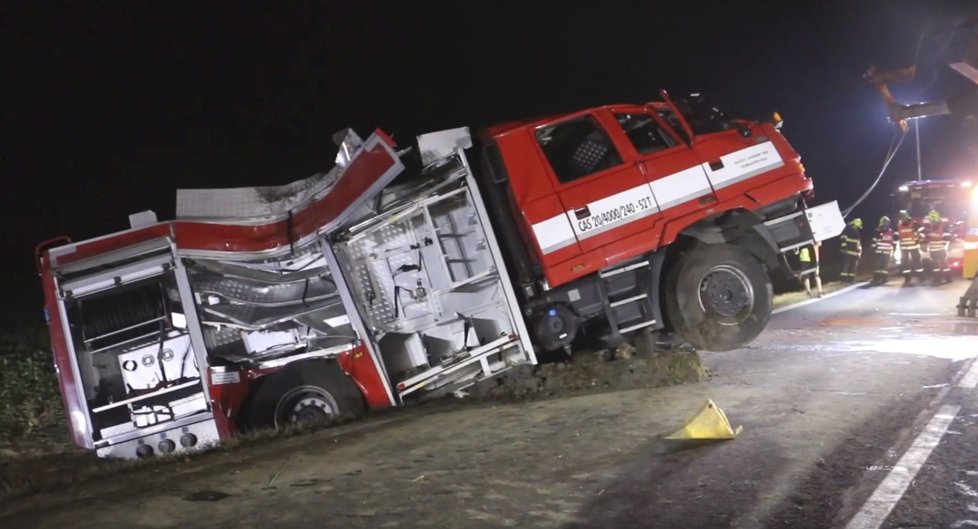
(882, 251)
(937, 236)
(852, 249)
(909, 249)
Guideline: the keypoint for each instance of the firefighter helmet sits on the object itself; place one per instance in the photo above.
(904, 215)
(884, 221)
(857, 223)
(934, 216)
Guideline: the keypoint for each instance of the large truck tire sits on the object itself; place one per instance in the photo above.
(307, 392)
(718, 297)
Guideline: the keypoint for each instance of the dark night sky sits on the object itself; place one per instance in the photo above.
(106, 111)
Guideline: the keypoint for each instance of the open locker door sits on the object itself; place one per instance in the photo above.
(428, 280)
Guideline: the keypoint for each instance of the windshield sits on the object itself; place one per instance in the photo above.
(949, 200)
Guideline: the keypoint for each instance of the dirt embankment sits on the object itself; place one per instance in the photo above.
(642, 365)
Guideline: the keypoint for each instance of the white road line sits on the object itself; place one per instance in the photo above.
(889, 492)
(816, 300)
(970, 379)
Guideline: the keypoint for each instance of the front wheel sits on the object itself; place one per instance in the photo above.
(718, 297)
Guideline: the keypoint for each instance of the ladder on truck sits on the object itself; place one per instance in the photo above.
(627, 308)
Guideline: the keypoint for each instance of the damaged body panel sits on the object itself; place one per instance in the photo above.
(427, 278)
(176, 334)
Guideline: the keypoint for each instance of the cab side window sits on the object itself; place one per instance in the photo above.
(670, 118)
(644, 133)
(577, 148)
(702, 118)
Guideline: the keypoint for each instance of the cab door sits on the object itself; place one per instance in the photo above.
(676, 177)
(730, 155)
(603, 191)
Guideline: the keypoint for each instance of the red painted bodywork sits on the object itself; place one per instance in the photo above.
(539, 195)
(367, 375)
(228, 399)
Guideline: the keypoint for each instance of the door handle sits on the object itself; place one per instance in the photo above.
(582, 213)
(716, 165)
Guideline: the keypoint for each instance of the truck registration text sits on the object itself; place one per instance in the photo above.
(615, 214)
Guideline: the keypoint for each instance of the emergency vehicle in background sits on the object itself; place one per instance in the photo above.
(371, 285)
(952, 199)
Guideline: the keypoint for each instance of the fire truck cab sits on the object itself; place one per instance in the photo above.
(667, 214)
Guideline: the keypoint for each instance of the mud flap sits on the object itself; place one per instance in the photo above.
(710, 423)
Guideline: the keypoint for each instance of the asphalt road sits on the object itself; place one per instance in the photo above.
(841, 402)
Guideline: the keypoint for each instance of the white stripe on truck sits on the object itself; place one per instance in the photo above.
(667, 192)
(743, 164)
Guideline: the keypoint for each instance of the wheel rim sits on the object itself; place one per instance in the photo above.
(305, 405)
(726, 295)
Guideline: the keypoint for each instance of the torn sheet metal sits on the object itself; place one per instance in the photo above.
(326, 199)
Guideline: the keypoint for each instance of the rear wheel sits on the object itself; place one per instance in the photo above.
(304, 393)
(718, 297)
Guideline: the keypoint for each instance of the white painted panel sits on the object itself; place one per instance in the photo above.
(554, 233)
(743, 164)
(680, 187)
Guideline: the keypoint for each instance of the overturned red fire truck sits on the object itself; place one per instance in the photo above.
(370, 284)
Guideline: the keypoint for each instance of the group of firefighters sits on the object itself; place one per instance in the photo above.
(932, 234)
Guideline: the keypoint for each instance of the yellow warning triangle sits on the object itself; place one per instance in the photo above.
(709, 423)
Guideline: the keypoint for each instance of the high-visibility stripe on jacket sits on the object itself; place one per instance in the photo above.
(908, 238)
(883, 240)
(937, 238)
(851, 243)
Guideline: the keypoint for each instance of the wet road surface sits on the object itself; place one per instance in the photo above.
(831, 397)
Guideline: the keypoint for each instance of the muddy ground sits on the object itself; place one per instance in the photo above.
(48, 462)
(828, 396)
(622, 368)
